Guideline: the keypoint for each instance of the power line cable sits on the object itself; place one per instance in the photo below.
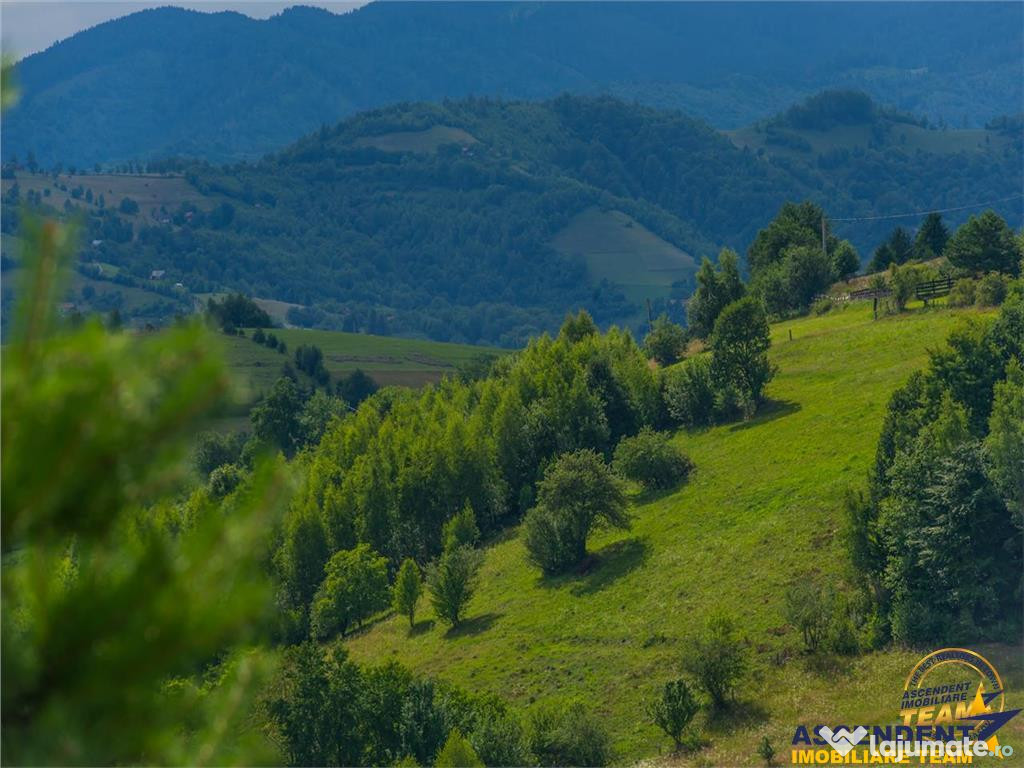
(925, 213)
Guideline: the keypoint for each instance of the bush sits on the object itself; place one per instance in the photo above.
(568, 735)
(717, 659)
(807, 608)
(688, 392)
(223, 480)
(651, 459)
(673, 710)
(963, 293)
(457, 753)
(991, 290)
(578, 492)
(821, 306)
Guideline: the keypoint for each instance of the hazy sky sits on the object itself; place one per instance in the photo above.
(28, 26)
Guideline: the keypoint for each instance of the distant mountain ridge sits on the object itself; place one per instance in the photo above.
(484, 220)
(223, 86)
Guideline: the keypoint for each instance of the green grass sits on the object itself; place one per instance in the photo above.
(149, 191)
(406, 362)
(620, 249)
(762, 510)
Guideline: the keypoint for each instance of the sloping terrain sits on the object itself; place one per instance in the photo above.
(480, 221)
(619, 249)
(162, 82)
(404, 362)
(762, 510)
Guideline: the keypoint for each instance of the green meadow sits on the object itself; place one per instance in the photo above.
(762, 510)
(389, 360)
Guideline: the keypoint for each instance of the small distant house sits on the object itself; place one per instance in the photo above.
(179, 285)
(156, 274)
(97, 243)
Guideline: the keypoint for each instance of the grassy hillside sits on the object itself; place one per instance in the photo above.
(623, 251)
(404, 362)
(762, 510)
(158, 196)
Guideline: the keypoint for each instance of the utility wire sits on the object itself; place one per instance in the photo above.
(925, 213)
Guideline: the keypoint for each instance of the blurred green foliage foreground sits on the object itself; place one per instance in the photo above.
(130, 622)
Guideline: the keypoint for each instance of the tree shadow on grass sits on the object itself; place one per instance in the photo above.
(610, 564)
(473, 625)
(738, 715)
(421, 627)
(770, 410)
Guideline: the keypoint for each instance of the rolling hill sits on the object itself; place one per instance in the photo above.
(483, 221)
(163, 82)
(762, 511)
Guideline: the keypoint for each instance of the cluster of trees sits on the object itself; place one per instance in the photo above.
(324, 709)
(938, 536)
(395, 472)
(267, 338)
(788, 264)
(237, 310)
(984, 243)
(731, 379)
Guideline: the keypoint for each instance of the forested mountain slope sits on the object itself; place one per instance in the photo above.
(175, 81)
(484, 221)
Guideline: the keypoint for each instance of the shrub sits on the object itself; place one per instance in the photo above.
(991, 290)
(223, 480)
(688, 392)
(717, 659)
(651, 459)
(821, 306)
(963, 293)
(807, 608)
(457, 753)
(673, 710)
(766, 751)
(498, 736)
(578, 491)
(355, 587)
(568, 735)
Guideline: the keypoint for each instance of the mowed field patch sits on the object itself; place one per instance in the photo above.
(426, 141)
(157, 195)
(617, 248)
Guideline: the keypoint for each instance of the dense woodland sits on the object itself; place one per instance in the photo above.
(455, 244)
(131, 90)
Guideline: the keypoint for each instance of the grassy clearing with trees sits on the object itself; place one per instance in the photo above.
(762, 510)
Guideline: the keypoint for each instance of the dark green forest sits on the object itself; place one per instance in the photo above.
(453, 241)
(133, 90)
